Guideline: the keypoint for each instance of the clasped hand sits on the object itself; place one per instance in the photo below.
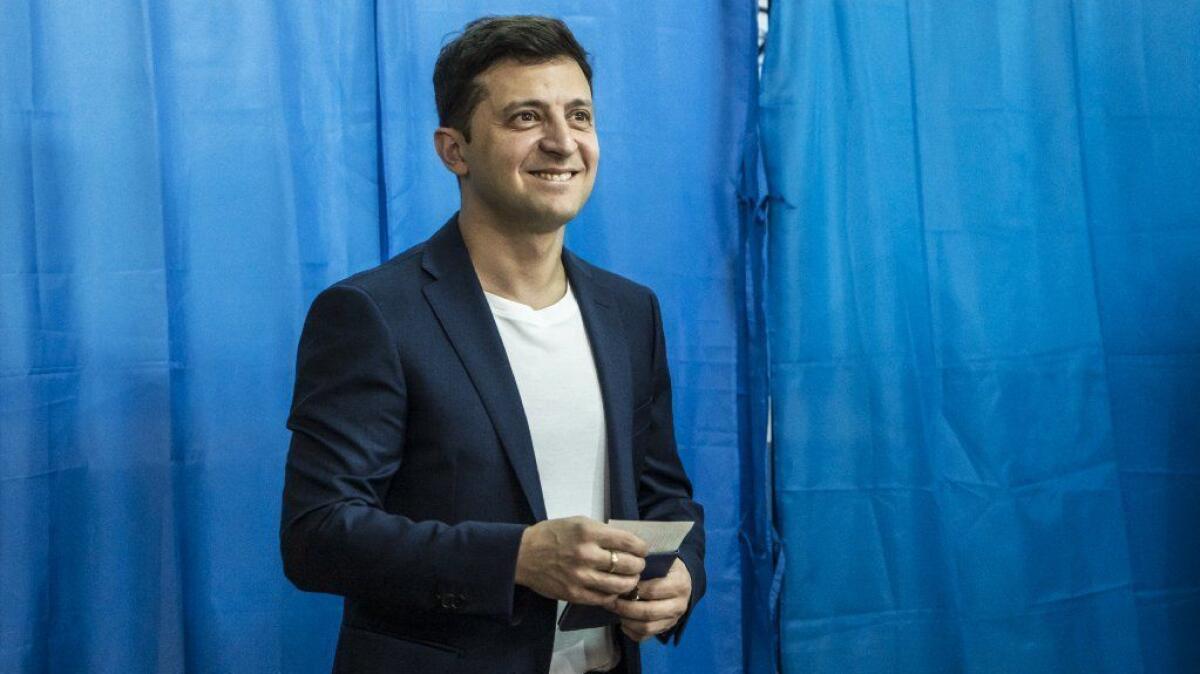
(571, 559)
(660, 603)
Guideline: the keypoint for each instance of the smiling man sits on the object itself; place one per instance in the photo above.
(468, 415)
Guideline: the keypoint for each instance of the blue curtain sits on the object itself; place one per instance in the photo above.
(178, 180)
(984, 300)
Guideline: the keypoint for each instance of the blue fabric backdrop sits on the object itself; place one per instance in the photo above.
(178, 180)
(985, 333)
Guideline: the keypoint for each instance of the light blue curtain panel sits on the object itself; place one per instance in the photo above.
(178, 180)
(984, 310)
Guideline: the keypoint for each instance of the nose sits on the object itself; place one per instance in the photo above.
(557, 139)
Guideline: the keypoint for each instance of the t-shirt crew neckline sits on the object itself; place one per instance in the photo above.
(563, 310)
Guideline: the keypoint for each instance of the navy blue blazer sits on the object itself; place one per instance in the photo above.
(411, 473)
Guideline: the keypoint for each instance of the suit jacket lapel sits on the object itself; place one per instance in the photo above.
(611, 352)
(457, 299)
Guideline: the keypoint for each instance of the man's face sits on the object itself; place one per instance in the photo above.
(532, 159)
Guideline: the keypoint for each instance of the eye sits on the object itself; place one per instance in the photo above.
(525, 117)
(582, 116)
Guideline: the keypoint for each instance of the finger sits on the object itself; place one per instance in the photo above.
(609, 583)
(648, 611)
(649, 590)
(601, 559)
(640, 631)
(634, 633)
(613, 538)
(628, 564)
(662, 588)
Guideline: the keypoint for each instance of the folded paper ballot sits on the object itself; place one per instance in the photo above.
(663, 539)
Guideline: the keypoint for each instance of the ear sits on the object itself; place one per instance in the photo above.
(449, 145)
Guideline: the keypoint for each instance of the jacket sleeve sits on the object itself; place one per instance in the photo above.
(348, 426)
(664, 491)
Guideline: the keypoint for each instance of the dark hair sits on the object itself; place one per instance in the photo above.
(485, 41)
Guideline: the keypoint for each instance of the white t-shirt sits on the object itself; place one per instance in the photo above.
(551, 359)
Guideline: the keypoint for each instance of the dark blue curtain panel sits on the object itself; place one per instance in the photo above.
(985, 334)
(178, 180)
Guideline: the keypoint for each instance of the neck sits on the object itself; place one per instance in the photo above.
(520, 265)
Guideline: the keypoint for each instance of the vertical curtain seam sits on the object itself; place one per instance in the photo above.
(380, 164)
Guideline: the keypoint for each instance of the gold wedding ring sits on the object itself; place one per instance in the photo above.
(612, 561)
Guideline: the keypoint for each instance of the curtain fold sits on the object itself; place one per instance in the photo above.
(983, 333)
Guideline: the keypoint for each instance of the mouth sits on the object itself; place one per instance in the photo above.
(554, 175)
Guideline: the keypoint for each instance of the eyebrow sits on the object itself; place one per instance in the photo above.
(538, 103)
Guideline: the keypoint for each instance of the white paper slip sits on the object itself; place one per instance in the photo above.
(660, 536)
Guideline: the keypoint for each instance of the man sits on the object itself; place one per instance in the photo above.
(468, 415)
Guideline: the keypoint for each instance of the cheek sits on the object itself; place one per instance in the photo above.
(592, 158)
(591, 152)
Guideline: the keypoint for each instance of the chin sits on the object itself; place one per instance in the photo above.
(544, 221)
(545, 225)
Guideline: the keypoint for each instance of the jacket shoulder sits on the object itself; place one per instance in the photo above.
(398, 272)
(391, 289)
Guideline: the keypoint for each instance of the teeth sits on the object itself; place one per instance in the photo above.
(553, 177)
